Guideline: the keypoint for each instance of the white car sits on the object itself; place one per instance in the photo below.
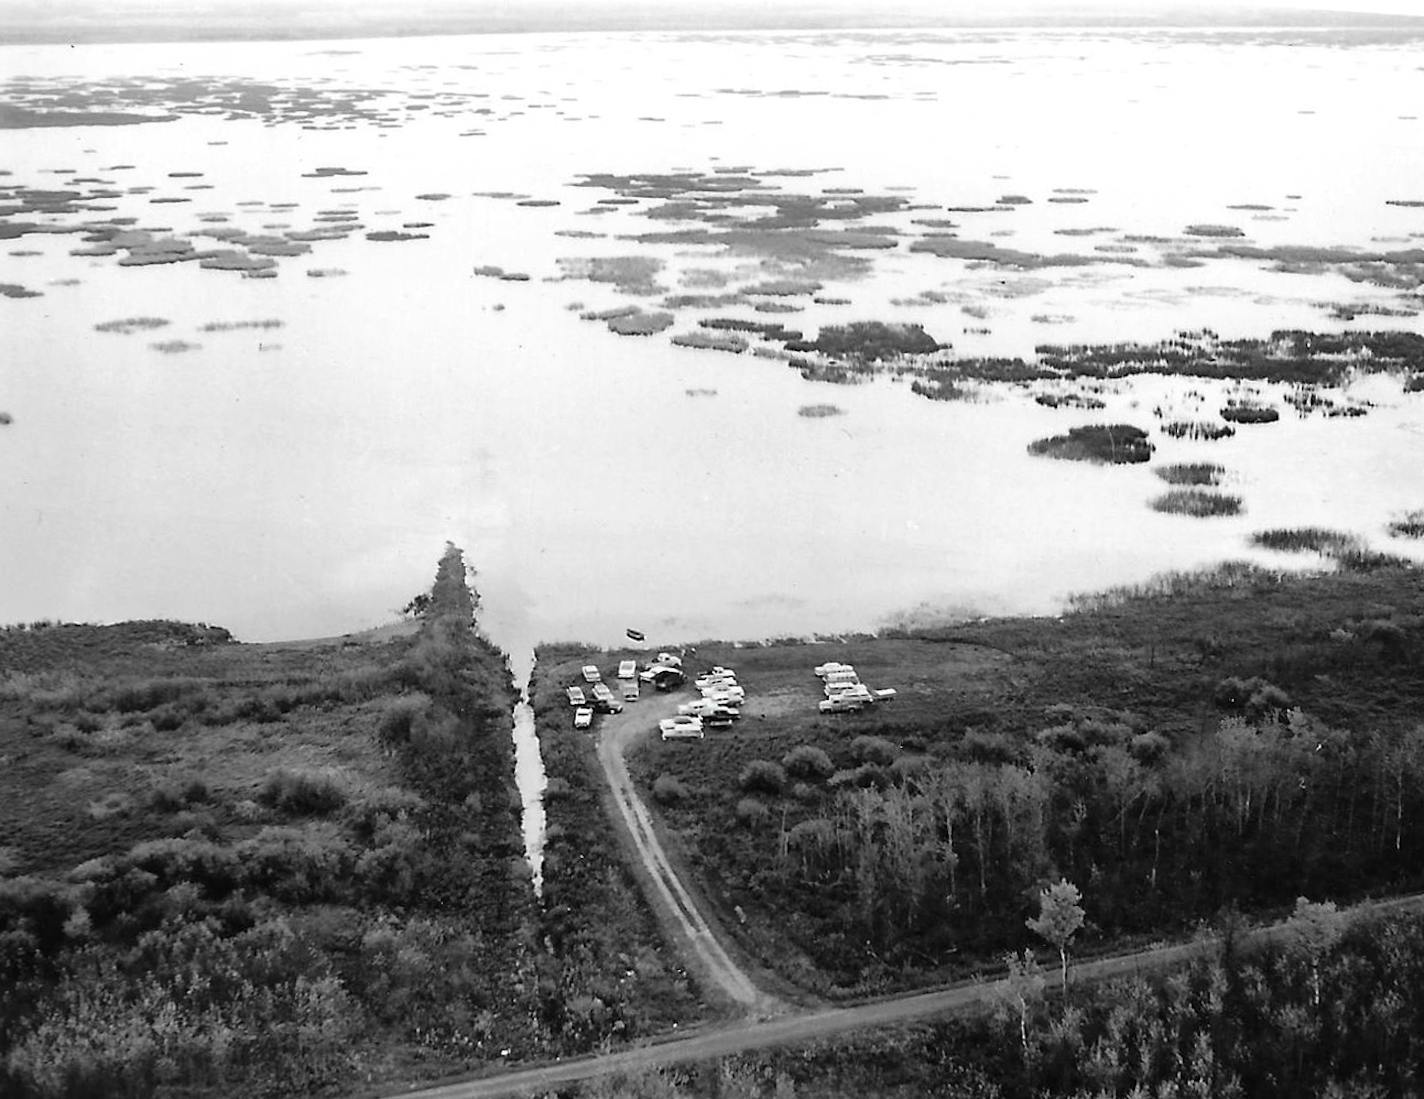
(667, 660)
(583, 717)
(842, 704)
(734, 696)
(834, 690)
(630, 690)
(842, 676)
(575, 696)
(627, 669)
(681, 727)
(824, 670)
(591, 673)
(715, 680)
(602, 693)
(703, 707)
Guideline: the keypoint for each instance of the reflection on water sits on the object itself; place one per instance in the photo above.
(300, 479)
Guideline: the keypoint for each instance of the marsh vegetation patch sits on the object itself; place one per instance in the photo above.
(1113, 444)
(1198, 503)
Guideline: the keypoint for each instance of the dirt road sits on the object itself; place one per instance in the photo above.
(675, 906)
(788, 1029)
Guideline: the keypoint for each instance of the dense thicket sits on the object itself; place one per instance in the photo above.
(1332, 1009)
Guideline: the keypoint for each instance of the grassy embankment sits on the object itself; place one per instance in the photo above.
(263, 869)
(1236, 738)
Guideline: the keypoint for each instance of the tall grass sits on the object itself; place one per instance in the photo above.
(1305, 540)
(1197, 503)
(1408, 525)
(1191, 473)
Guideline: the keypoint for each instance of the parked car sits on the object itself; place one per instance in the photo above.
(727, 696)
(667, 660)
(575, 696)
(834, 689)
(717, 722)
(674, 728)
(602, 691)
(591, 673)
(609, 705)
(664, 679)
(885, 694)
(630, 690)
(703, 707)
(842, 676)
(583, 717)
(715, 679)
(842, 704)
(824, 670)
(627, 669)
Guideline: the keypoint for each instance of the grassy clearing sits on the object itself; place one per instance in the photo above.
(1198, 503)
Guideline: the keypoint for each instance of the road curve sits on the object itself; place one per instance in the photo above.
(722, 1041)
(670, 898)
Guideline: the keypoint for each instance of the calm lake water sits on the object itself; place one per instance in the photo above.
(302, 479)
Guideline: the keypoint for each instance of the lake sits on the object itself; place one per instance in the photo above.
(300, 478)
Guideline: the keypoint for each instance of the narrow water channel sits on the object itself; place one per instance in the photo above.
(528, 768)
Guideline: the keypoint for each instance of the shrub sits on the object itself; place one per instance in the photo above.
(804, 791)
(752, 812)
(863, 777)
(809, 763)
(669, 790)
(399, 717)
(176, 794)
(873, 749)
(1198, 503)
(1149, 748)
(762, 775)
(303, 792)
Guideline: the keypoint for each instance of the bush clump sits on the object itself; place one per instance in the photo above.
(1191, 473)
(1112, 443)
(1197, 503)
(761, 775)
(808, 763)
(752, 812)
(873, 749)
(304, 793)
(669, 790)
